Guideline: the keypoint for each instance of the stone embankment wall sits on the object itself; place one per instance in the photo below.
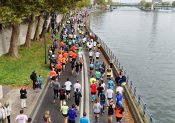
(5, 34)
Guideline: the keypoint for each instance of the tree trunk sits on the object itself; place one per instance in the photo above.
(29, 31)
(44, 25)
(49, 27)
(36, 36)
(13, 49)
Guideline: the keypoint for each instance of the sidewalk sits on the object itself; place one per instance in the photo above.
(12, 95)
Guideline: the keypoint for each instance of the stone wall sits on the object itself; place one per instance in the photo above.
(5, 34)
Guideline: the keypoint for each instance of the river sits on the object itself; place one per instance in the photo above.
(144, 43)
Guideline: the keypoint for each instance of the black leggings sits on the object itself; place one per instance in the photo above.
(70, 121)
(55, 93)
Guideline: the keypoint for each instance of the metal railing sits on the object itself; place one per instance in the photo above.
(133, 90)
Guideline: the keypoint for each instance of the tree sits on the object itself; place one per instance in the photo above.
(173, 4)
(12, 14)
(34, 8)
(142, 2)
(148, 5)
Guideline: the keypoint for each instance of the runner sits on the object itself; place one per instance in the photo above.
(72, 114)
(77, 96)
(68, 86)
(92, 79)
(102, 102)
(58, 68)
(77, 66)
(93, 91)
(108, 73)
(119, 112)
(64, 111)
(56, 87)
(97, 55)
(100, 89)
(46, 117)
(80, 63)
(62, 95)
(52, 75)
(97, 109)
(98, 75)
(109, 94)
(111, 83)
(77, 86)
(118, 98)
(119, 89)
(91, 67)
(111, 108)
(84, 119)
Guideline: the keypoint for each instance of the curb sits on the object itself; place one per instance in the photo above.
(39, 98)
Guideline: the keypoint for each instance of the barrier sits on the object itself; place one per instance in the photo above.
(135, 102)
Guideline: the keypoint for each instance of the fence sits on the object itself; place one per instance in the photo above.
(133, 90)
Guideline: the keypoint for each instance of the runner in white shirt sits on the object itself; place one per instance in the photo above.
(95, 44)
(109, 94)
(21, 118)
(89, 45)
(103, 84)
(84, 40)
(90, 54)
(68, 86)
(77, 85)
(80, 54)
(97, 55)
(119, 89)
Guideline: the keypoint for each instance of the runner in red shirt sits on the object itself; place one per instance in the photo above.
(93, 91)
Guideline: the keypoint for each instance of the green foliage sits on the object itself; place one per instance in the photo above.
(100, 2)
(142, 2)
(148, 5)
(82, 3)
(16, 71)
(165, 4)
(173, 4)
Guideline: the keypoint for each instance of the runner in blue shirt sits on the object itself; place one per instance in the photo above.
(111, 84)
(84, 119)
(72, 114)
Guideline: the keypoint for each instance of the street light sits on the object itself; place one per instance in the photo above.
(45, 57)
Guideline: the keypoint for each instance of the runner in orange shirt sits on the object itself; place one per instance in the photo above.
(70, 55)
(52, 76)
(59, 59)
(58, 68)
(66, 55)
(73, 48)
(74, 56)
(61, 44)
(63, 62)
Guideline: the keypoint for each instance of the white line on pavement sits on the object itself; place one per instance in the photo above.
(82, 92)
(86, 87)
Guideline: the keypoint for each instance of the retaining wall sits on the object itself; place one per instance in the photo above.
(5, 34)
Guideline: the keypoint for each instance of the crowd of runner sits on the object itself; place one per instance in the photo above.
(68, 52)
(106, 91)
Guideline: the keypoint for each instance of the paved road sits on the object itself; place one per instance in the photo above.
(47, 103)
(104, 117)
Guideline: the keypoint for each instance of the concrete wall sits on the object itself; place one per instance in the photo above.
(5, 35)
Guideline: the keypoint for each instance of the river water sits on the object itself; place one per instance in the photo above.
(144, 43)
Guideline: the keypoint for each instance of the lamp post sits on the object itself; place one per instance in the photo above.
(45, 57)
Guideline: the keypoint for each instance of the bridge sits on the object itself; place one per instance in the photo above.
(155, 4)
